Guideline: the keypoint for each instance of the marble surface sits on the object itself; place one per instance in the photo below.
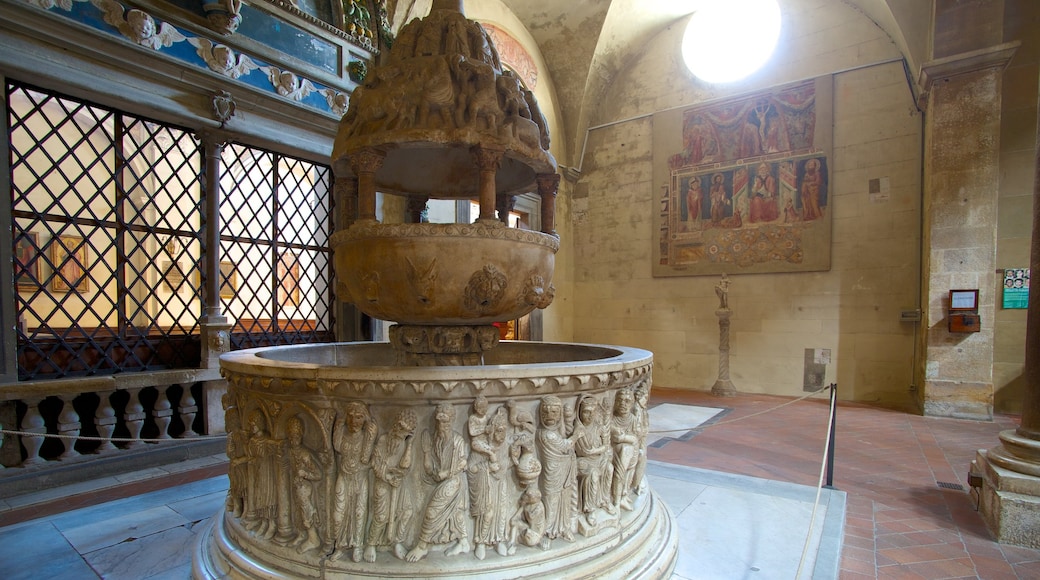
(679, 421)
(730, 527)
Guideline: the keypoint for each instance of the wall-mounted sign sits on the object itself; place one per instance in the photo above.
(1016, 288)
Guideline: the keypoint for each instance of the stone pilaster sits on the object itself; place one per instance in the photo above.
(962, 141)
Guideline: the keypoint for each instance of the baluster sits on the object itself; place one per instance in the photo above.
(105, 421)
(162, 412)
(33, 423)
(187, 410)
(134, 417)
(68, 425)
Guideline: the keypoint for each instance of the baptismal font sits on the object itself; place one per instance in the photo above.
(443, 453)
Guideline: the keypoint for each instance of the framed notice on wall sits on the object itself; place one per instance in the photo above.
(1016, 288)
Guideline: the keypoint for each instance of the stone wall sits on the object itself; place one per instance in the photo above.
(853, 309)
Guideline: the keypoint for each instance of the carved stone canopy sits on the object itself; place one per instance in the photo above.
(441, 92)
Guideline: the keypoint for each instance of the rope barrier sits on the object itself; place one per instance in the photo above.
(770, 410)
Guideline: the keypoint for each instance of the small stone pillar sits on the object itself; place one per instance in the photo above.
(548, 185)
(723, 387)
(365, 163)
(488, 161)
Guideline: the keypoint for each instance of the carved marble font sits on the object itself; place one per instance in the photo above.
(343, 472)
(443, 453)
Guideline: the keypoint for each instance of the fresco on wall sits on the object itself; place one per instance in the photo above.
(747, 186)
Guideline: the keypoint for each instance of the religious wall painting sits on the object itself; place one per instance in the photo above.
(513, 55)
(70, 260)
(26, 261)
(745, 186)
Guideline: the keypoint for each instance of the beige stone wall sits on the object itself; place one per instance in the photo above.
(1018, 141)
(853, 309)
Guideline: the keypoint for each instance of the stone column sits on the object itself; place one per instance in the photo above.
(488, 161)
(723, 386)
(962, 146)
(1008, 476)
(213, 324)
(365, 163)
(548, 185)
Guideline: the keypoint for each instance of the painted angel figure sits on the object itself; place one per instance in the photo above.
(139, 26)
(221, 59)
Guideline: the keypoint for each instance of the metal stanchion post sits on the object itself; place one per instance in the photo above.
(830, 447)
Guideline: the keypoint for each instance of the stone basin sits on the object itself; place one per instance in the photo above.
(445, 274)
(295, 399)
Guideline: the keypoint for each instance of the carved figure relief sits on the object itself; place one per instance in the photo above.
(305, 473)
(422, 279)
(559, 473)
(287, 84)
(139, 26)
(626, 454)
(642, 428)
(485, 289)
(353, 439)
(263, 454)
(221, 59)
(392, 507)
(336, 101)
(238, 461)
(224, 16)
(527, 526)
(593, 451)
(444, 463)
(488, 471)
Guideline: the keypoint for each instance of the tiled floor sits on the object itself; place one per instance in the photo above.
(900, 522)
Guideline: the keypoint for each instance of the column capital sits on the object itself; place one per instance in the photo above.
(367, 160)
(486, 158)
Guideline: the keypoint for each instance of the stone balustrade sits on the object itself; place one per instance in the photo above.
(84, 414)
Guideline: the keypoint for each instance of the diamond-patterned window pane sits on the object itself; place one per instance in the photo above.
(108, 213)
(96, 198)
(276, 268)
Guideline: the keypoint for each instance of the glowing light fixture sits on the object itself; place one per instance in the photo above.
(727, 40)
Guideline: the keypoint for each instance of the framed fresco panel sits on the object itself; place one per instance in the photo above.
(70, 259)
(744, 184)
(27, 261)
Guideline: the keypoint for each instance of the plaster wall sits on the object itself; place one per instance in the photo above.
(853, 309)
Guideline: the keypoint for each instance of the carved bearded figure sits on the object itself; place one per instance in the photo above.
(623, 438)
(444, 464)
(392, 509)
(353, 440)
(488, 470)
(559, 473)
(238, 462)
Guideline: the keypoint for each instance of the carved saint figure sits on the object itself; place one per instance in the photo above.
(593, 452)
(444, 461)
(722, 291)
(623, 438)
(559, 473)
(488, 469)
(305, 472)
(238, 462)
(642, 430)
(263, 454)
(392, 509)
(353, 440)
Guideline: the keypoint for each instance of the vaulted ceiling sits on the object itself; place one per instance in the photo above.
(585, 44)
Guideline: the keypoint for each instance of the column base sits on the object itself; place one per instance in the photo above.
(723, 388)
(1009, 501)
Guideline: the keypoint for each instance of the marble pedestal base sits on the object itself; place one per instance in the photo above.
(641, 544)
(1009, 502)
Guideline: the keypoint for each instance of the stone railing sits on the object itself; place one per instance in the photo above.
(58, 422)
